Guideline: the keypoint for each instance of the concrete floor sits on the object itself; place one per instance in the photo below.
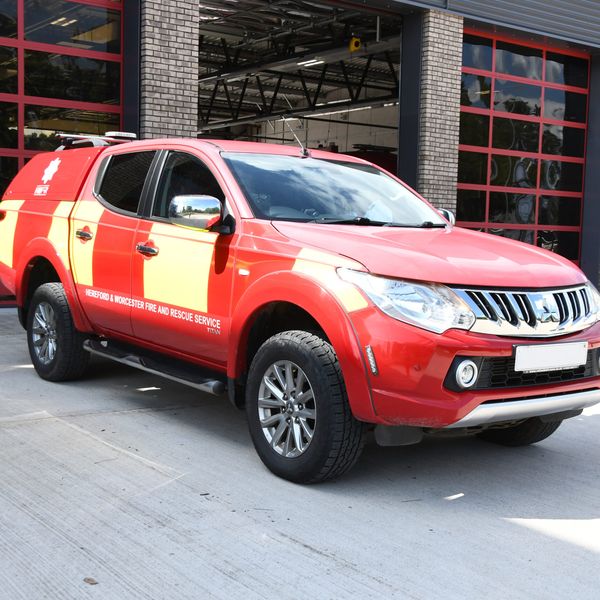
(128, 486)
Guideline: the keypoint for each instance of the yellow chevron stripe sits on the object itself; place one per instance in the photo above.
(8, 227)
(179, 273)
(88, 212)
(59, 231)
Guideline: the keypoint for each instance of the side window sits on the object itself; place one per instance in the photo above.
(124, 179)
(184, 174)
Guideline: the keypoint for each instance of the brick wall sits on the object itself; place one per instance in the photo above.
(169, 68)
(440, 108)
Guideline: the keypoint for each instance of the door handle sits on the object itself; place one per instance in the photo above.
(146, 250)
(84, 234)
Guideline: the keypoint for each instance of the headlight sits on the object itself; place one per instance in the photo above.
(594, 297)
(427, 305)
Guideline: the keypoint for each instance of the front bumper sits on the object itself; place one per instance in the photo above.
(412, 364)
(515, 410)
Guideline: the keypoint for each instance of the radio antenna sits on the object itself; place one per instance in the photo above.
(303, 150)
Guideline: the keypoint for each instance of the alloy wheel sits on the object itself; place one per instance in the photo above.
(286, 409)
(44, 333)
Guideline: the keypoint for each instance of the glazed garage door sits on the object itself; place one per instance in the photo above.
(522, 141)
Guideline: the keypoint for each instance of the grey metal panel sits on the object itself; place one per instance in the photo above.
(590, 249)
(131, 66)
(410, 98)
(573, 20)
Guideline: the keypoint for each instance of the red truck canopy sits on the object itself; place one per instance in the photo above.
(56, 176)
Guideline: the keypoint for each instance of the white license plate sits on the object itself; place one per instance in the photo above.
(550, 357)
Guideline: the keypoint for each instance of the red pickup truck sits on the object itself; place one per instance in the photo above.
(315, 289)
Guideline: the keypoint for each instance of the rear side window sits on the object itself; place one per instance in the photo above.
(123, 179)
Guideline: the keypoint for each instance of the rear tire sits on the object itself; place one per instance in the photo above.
(298, 412)
(530, 431)
(55, 346)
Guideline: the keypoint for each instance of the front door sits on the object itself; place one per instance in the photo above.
(182, 275)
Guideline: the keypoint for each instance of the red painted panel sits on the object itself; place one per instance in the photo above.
(53, 176)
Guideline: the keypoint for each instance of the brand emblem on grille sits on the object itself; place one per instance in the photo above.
(546, 309)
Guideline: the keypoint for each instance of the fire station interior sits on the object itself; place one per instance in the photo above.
(321, 73)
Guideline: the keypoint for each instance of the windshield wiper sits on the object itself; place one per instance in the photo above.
(430, 225)
(353, 221)
(367, 221)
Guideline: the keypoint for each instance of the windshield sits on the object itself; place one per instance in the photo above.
(290, 188)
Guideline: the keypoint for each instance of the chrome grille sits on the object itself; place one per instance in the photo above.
(530, 313)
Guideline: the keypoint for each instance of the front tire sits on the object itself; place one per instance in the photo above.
(529, 432)
(55, 346)
(298, 412)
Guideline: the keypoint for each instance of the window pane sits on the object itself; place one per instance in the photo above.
(184, 174)
(518, 60)
(475, 91)
(477, 52)
(124, 179)
(474, 129)
(42, 123)
(567, 70)
(565, 106)
(8, 125)
(74, 25)
(512, 208)
(71, 77)
(8, 18)
(522, 235)
(563, 176)
(518, 98)
(470, 205)
(472, 167)
(567, 141)
(565, 243)
(8, 70)
(513, 171)
(8, 169)
(555, 210)
(510, 134)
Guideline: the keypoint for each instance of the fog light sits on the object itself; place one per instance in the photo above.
(466, 374)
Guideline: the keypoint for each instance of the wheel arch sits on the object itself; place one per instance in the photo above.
(40, 263)
(261, 312)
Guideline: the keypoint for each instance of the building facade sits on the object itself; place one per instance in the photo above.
(60, 71)
(486, 108)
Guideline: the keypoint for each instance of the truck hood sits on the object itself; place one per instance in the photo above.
(451, 255)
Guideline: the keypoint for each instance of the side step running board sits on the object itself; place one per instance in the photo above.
(150, 362)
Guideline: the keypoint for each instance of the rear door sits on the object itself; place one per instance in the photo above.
(185, 279)
(103, 230)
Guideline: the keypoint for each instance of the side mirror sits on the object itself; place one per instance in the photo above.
(200, 212)
(448, 215)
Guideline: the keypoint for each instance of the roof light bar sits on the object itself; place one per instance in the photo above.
(73, 140)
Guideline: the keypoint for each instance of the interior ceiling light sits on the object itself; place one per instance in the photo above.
(340, 112)
(58, 21)
(213, 8)
(310, 63)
